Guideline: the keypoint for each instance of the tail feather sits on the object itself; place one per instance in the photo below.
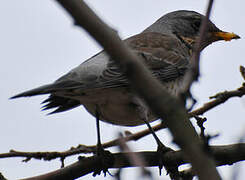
(60, 103)
(53, 101)
(37, 91)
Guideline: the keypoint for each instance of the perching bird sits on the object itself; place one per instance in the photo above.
(100, 85)
(103, 89)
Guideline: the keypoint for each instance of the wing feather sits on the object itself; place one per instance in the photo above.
(166, 57)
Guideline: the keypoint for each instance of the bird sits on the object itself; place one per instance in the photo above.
(102, 87)
(98, 83)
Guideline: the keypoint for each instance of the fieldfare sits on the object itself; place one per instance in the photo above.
(103, 89)
(99, 84)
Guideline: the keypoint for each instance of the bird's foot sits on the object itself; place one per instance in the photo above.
(161, 150)
(106, 161)
(171, 170)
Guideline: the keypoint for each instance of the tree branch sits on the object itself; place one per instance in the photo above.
(219, 98)
(224, 155)
(194, 72)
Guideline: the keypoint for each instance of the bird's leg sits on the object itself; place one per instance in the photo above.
(161, 148)
(106, 156)
(159, 143)
(99, 145)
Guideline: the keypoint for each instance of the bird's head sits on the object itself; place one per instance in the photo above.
(186, 24)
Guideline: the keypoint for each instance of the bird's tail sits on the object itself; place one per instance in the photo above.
(60, 103)
(46, 89)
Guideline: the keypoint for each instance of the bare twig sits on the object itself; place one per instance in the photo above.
(45, 155)
(194, 72)
(218, 99)
(224, 155)
(79, 149)
(242, 70)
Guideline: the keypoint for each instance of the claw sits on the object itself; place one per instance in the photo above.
(161, 150)
(106, 160)
(172, 170)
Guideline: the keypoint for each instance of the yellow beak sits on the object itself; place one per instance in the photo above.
(226, 36)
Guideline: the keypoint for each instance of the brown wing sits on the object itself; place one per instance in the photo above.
(166, 56)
